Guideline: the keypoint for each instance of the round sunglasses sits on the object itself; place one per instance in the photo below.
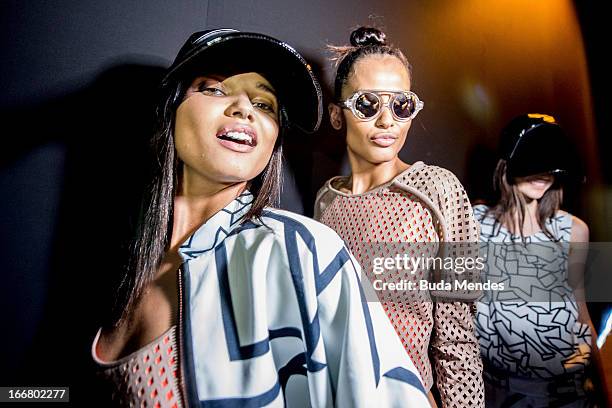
(368, 104)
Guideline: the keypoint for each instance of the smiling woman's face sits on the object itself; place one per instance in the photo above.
(534, 187)
(226, 129)
(379, 140)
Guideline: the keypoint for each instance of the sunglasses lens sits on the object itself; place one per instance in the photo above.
(367, 105)
(404, 105)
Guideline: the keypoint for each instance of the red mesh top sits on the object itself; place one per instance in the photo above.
(146, 378)
(376, 217)
(390, 215)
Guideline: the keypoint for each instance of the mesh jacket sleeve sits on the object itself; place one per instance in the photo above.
(455, 348)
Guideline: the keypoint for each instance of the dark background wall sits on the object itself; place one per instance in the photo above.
(77, 82)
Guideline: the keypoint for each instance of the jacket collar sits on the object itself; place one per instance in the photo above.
(217, 228)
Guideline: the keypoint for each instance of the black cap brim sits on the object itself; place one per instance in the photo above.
(545, 150)
(296, 86)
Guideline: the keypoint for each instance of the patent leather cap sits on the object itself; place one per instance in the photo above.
(227, 50)
(535, 144)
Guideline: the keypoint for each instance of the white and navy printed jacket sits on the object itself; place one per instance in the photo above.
(273, 314)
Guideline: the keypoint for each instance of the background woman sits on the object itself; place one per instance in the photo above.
(536, 334)
(386, 200)
(227, 301)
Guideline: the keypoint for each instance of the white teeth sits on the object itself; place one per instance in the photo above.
(239, 136)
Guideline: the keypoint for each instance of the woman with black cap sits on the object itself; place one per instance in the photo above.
(226, 301)
(535, 333)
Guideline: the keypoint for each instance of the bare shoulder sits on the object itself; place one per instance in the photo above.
(580, 230)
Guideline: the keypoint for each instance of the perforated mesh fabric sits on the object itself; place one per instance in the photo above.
(147, 377)
(430, 206)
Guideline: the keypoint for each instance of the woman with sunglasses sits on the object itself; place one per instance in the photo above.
(536, 333)
(386, 200)
(227, 301)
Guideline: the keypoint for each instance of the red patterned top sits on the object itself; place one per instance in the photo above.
(430, 207)
(146, 378)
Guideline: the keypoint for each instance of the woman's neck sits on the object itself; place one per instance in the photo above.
(194, 207)
(530, 222)
(365, 175)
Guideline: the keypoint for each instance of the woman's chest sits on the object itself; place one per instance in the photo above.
(381, 217)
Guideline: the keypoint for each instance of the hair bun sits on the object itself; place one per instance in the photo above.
(364, 36)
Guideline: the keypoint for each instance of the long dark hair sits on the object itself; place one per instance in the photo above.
(512, 202)
(364, 41)
(154, 226)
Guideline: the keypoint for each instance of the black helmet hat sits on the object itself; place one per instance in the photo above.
(297, 88)
(535, 144)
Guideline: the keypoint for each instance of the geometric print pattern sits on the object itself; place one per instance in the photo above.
(531, 328)
(274, 315)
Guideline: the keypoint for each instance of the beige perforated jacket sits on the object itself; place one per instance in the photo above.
(424, 204)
